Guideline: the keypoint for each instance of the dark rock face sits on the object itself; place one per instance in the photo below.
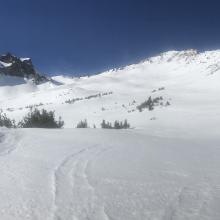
(17, 67)
(22, 68)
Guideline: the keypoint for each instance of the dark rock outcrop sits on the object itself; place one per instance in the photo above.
(15, 66)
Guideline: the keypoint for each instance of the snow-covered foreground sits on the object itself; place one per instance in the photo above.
(97, 174)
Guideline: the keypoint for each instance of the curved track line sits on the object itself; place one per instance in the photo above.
(74, 197)
(8, 141)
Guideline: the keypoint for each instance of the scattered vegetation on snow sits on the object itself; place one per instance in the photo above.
(40, 119)
(150, 103)
(106, 125)
(116, 125)
(99, 95)
(5, 121)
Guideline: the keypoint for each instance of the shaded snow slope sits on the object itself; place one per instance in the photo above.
(188, 80)
(60, 174)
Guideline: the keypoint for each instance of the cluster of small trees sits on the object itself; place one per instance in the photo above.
(116, 125)
(40, 119)
(106, 125)
(34, 119)
(150, 103)
(82, 124)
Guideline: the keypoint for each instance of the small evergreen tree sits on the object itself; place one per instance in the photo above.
(116, 125)
(126, 125)
(103, 124)
(167, 103)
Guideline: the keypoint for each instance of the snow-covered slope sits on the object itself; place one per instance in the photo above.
(188, 80)
(167, 168)
(107, 174)
(10, 65)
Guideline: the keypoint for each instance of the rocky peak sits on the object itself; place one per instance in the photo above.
(20, 67)
(8, 58)
(17, 67)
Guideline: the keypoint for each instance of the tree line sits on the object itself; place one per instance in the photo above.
(36, 118)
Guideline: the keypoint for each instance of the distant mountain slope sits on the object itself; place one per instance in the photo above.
(183, 86)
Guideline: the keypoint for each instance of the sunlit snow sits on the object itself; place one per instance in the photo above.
(166, 167)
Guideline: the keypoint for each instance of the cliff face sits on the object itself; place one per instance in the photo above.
(20, 67)
(13, 66)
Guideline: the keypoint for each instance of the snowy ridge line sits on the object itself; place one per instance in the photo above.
(71, 184)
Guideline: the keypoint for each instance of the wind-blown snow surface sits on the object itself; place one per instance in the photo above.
(97, 174)
(167, 168)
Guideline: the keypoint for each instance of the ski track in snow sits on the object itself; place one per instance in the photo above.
(71, 185)
(8, 142)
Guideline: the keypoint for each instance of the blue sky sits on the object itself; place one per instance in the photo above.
(89, 36)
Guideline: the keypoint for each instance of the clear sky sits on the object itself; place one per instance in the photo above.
(89, 36)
